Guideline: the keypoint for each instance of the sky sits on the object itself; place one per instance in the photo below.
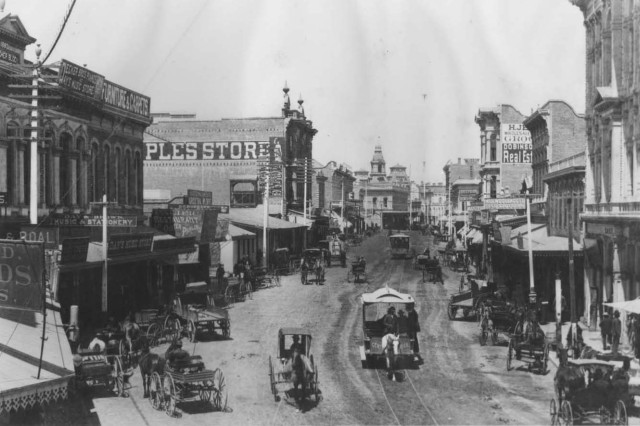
(409, 75)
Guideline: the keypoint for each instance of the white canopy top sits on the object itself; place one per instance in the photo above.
(632, 306)
(386, 295)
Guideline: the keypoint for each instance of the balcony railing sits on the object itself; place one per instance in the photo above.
(573, 161)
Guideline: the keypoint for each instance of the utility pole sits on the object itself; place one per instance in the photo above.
(33, 171)
(532, 289)
(449, 199)
(572, 281)
(344, 231)
(305, 201)
(265, 219)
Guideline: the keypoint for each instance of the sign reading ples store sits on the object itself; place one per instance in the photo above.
(21, 267)
(167, 151)
(516, 143)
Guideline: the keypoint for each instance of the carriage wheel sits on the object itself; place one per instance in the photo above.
(249, 291)
(272, 381)
(153, 334)
(219, 397)
(118, 376)
(452, 310)
(228, 295)
(620, 414)
(205, 394)
(191, 331)
(169, 391)
(566, 413)
(553, 412)
(155, 391)
(509, 354)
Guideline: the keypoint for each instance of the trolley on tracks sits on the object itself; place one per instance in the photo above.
(197, 314)
(399, 244)
(280, 369)
(597, 389)
(374, 307)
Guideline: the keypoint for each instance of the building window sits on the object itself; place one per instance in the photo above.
(384, 202)
(244, 193)
(493, 189)
(493, 148)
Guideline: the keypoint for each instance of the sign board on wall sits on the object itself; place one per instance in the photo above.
(198, 198)
(9, 53)
(467, 194)
(80, 80)
(126, 244)
(74, 250)
(236, 150)
(125, 100)
(516, 143)
(505, 203)
(21, 268)
(603, 229)
(181, 222)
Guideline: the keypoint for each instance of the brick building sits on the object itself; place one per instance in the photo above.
(505, 154)
(226, 156)
(557, 132)
(612, 205)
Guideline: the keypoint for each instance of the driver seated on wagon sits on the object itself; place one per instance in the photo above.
(177, 355)
(532, 333)
(295, 345)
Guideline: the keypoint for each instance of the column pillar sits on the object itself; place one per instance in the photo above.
(617, 161)
(20, 196)
(72, 181)
(55, 177)
(3, 168)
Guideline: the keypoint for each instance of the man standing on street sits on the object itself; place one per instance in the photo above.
(616, 332)
(605, 331)
(413, 327)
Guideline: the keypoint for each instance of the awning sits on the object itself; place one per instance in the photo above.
(541, 243)
(632, 306)
(240, 234)
(20, 340)
(386, 295)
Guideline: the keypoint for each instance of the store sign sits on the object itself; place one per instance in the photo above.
(112, 221)
(21, 271)
(80, 80)
(4, 198)
(505, 203)
(174, 244)
(125, 100)
(8, 54)
(467, 194)
(174, 151)
(49, 236)
(516, 143)
(126, 244)
(179, 222)
(604, 229)
(64, 219)
(201, 198)
(74, 250)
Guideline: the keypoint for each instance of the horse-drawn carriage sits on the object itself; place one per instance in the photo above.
(313, 262)
(335, 251)
(469, 301)
(196, 313)
(281, 261)
(496, 317)
(374, 307)
(96, 367)
(529, 344)
(358, 270)
(157, 325)
(457, 259)
(294, 369)
(187, 380)
(590, 388)
(430, 267)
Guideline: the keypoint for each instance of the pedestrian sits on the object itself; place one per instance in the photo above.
(403, 322)
(413, 328)
(220, 273)
(606, 326)
(616, 330)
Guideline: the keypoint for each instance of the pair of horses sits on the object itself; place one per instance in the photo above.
(316, 267)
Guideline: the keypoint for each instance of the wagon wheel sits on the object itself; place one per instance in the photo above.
(229, 297)
(219, 390)
(169, 391)
(553, 412)
(620, 414)
(316, 392)
(510, 354)
(118, 376)
(605, 416)
(226, 328)
(483, 332)
(153, 334)
(272, 381)
(249, 291)
(156, 396)
(123, 349)
(566, 413)
(452, 310)
(205, 393)
(172, 328)
(191, 331)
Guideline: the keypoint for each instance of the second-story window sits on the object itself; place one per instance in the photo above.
(493, 148)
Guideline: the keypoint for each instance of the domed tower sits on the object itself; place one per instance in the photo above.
(378, 166)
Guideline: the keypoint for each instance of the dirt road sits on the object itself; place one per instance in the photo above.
(459, 382)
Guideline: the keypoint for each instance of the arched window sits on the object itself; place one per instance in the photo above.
(137, 177)
(66, 171)
(118, 184)
(46, 190)
(126, 178)
(81, 178)
(94, 178)
(9, 182)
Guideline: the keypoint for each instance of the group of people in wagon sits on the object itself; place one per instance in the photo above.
(404, 323)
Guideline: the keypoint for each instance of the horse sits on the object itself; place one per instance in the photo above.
(390, 345)
(319, 271)
(300, 370)
(568, 378)
(150, 363)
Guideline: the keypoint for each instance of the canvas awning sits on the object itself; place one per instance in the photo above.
(541, 243)
(631, 306)
(20, 340)
(387, 295)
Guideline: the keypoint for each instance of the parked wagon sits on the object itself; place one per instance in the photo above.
(198, 314)
(97, 368)
(430, 267)
(599, 391)
(159, 325)
(533, 351)
(281, 261)
(496, 317)
(469, 301)
(358, 270)
(280, 369)
(188, 380)
(263, 278)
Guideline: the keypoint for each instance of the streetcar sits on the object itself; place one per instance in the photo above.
(399, 244)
